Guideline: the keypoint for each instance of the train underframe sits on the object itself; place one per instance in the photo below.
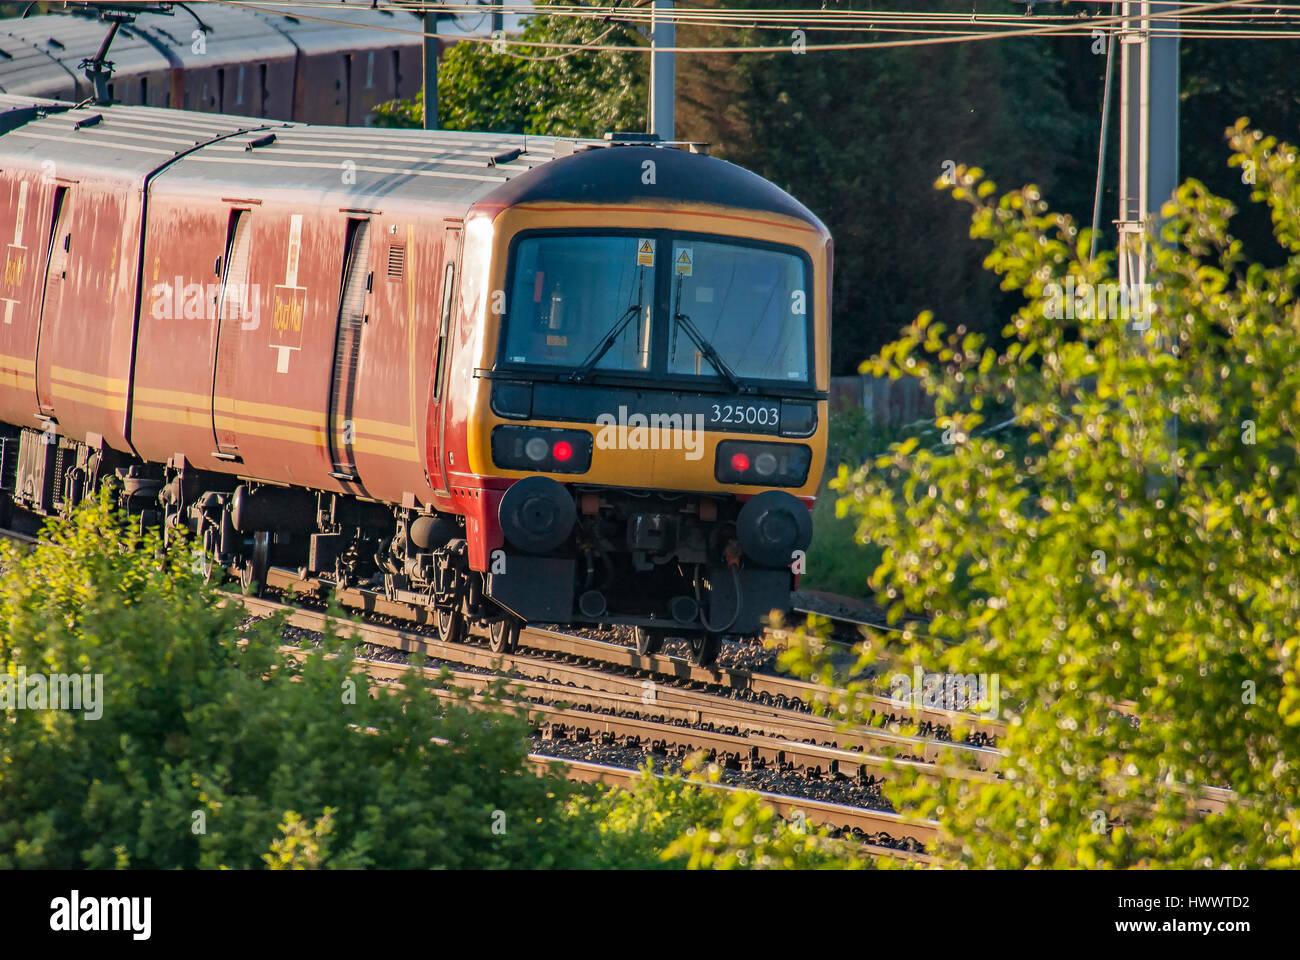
(665, 564)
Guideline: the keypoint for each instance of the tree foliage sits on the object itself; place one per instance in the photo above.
(1136, 544)
(206, 752)
(698, 828)
(534, 90)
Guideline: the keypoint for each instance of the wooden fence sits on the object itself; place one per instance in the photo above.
(886, 402)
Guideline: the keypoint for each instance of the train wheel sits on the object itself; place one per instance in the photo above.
(451, 625)
(205, 559)
(503, 635)
(706, 648)
(252, 572)
(648, 643)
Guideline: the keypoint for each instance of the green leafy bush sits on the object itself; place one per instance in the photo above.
(205, 751)
(213, 754)
(1110, 559)
(697, 827)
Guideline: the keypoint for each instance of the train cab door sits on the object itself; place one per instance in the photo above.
(231, 309)
(56, 274)
(352, 318)
(441, 358)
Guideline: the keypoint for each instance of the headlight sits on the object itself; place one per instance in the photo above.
(544, 449)
(762, 464)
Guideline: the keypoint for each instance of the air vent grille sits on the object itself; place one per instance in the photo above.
(396, 261)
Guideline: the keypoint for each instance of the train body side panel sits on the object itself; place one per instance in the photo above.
(26, 210)
(320, 88)
(279, 373)
(273, 384)
(397, 357)
(171, 408)
(84, 346)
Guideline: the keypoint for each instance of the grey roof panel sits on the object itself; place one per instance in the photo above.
(127, 141)
(450, 166)
(26, 69)
(61, 43)
(381, 164)
(41, 56)
(236, 35)
(357, 30)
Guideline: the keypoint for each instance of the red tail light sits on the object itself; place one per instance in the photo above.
(562, 450)
(762, 464)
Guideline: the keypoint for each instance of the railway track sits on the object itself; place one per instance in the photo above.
(589, 688)
(868, 823)
(807, 742)
(578, 702)
(769, 688)
(769, 732)
(880, 832)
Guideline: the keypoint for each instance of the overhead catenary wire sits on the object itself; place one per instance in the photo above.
(1059, 27)
(832, 19)
(927, 24)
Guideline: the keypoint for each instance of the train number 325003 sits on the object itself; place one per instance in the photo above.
(745, 415)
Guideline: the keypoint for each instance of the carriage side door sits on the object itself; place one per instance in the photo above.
(232, 310)
(56, 273)
(352, 318)
(442, 354)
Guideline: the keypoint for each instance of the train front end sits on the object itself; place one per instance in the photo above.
(648, 403)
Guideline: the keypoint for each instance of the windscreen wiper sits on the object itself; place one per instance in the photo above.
(593, 358)
(707, 349)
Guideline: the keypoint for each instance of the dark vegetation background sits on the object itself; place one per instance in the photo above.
(861, 136)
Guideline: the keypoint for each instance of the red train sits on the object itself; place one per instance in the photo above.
(505, 378)
(222, 59)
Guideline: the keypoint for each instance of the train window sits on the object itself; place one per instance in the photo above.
(262, 91)
(714, 284)
(448, 301)
(397, 73)
(571, 293)
(236, 304)
(144, 91)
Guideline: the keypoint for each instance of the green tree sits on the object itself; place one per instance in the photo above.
(693, 826)
(1103, 553)
(197, 750)
(208, 753)
(535, 90)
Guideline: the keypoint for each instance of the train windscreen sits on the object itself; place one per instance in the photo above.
(596, 304)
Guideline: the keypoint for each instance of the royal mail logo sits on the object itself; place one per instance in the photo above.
(15, 256)
(288, 301)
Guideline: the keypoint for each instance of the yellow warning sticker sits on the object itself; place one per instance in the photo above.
(645, 253)
(685, 262)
